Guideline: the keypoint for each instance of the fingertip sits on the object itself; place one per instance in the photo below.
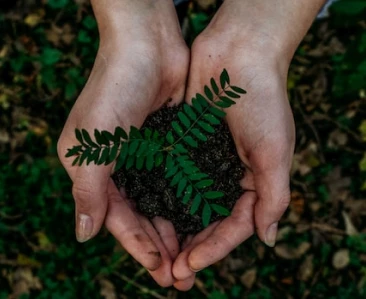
(268, 211)
(185, 285)
(181, 270)
(167, 235)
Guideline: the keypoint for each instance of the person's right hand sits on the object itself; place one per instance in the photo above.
(142, 62)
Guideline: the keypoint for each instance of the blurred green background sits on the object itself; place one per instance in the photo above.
(47, 49)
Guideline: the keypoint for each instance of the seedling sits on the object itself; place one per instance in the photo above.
(146, 149)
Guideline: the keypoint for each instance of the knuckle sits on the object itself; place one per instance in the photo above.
(82, 195)
(285, 199)
(61, 150)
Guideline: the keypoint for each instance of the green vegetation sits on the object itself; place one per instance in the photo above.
(148, 149)
(46, 54)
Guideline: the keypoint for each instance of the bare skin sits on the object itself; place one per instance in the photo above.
(141, 46)
(139, 66)
(257, 56)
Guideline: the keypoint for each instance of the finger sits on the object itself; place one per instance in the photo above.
(167, 235)
(186, 242)
(90, 194)
(232, 231)
(123, 224)
(177, 95)
(273, 199)
(181, 269)
(89, 191)
(162, 275)
(185, 285)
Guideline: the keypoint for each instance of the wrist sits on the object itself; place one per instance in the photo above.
(267, 26)
(130, 20)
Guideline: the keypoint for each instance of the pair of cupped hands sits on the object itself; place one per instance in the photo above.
(142, 62)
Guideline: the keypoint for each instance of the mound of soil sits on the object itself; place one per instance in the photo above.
(151, 191)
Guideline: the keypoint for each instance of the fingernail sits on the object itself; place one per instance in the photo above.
(271, 234)
(84, 228)
(195, 270)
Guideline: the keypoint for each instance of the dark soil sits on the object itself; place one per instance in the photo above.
(217, 157)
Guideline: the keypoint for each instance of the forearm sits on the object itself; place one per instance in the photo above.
(283, 23)
(115, 17)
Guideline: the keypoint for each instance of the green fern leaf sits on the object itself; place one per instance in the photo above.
(147, 134)
(172, 171)
(153, 148)
(185, 164)
(211, 119)
(179, 149)
(199, 134)
(104, 156)
(169, 137)
(222, 104)
(213, 194)
(238, 89)
(201, 99)
(207, 127)
(208, 93)
(94, 156)
(73, 151)
(214, 86)
(109, 136)
(140, 162)
(177, 177)
(130, 162)
(133, 147)
(76, 160)
(177, 128)
(159, 159)
(155, 136)
(142, 148)
(184, 119)
(232, 94)
(169, 163)
(189, 111)
(119, 133)
(79, 136)
(187, 194)
(150, 162)
(227, 100)
(88, 139)
(206, 215)
(84, 155)
(114, 151)
(121, 159)
(182, 184)
(100, 138)
(197, 176)
(190, 141)
(182, 158)
(204, 184)
(217, 112)
(220, 210)
(195, 204)
(224, 79)
(196, 105)
(135, 133)
(190, 169)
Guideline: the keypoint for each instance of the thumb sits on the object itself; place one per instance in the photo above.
(90, 194)
(89, 191)
(273, 191)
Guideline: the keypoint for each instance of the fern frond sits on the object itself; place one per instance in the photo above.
(206, 214)
(147, 149)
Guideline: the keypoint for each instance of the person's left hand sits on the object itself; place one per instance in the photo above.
(262, 126)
